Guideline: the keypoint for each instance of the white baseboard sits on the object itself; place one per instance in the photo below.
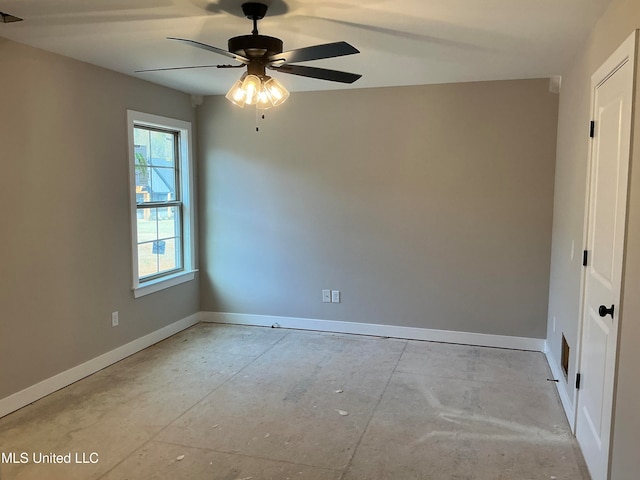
(412, 333)
(50, 385)
(561, 386)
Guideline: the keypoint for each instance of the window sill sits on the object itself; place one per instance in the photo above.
(162, 283)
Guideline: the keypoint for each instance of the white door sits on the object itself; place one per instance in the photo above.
(612, 95)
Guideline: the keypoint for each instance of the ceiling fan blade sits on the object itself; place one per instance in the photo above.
(316, 52)
(6, 18)
(213, 49)
(185, 68)
(320, 73)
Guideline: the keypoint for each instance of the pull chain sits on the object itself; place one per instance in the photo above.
(259, 116)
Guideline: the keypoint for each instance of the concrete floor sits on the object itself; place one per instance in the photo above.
(237, 403)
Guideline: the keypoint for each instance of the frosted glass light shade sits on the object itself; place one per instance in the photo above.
(236, 94)
(252, 86)
(276, 91)
(264, 102)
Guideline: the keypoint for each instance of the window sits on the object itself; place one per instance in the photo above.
(162, 221)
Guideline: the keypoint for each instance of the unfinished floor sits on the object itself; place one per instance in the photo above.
(231, 402)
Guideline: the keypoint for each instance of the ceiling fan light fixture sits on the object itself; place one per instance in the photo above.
(260, 90)
(236, 94)
(275, 91)
(264, 102)
(252, 86)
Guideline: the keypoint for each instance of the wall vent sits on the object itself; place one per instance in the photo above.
(564, 359)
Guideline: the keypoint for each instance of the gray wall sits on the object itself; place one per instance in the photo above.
(65, 227)
(616, 24)
(425, 206)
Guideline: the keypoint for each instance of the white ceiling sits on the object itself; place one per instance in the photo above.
(402, 42)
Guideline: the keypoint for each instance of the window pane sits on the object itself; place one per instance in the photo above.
(142, 174)
(147, 260)
(169, 222)
(141, 138)
(162, 148)
(147, 224)
(155, 165)
(162, 185)
(169, 259)
(159, 147)
(159, 233)
(159, 256)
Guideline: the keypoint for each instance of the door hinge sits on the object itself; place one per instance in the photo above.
(578, 379)
(585, 257)
(592, 129)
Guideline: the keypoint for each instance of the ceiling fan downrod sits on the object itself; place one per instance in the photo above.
(254, 11)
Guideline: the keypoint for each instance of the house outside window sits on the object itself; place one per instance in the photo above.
(161, 202)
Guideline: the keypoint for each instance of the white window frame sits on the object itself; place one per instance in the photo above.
(185, 149)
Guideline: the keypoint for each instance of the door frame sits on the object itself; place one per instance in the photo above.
(625, 53)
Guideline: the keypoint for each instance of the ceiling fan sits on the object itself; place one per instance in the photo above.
(261, 52)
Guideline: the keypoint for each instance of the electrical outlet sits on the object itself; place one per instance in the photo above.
(114, 319)
(335, 296)
(326, 296)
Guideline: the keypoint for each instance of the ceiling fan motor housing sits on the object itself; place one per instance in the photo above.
(258, 48)
(253, 46)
